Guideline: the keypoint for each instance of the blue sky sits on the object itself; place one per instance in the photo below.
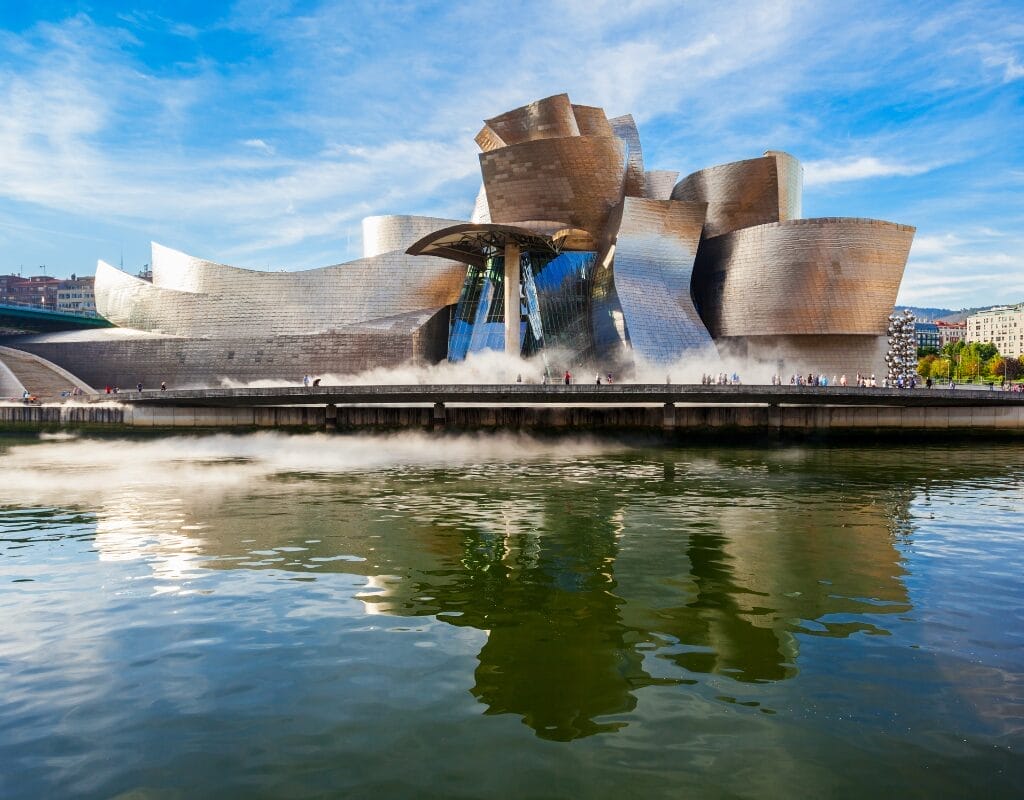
(260, 133)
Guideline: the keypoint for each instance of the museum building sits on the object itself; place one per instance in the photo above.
(574, 252)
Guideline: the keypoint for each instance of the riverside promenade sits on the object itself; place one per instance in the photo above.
(575, 394)
(667, 408)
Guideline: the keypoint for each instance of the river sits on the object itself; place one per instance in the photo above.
(273, 615)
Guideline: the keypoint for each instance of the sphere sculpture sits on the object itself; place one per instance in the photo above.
(901, 357)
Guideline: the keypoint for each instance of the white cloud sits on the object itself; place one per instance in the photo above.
(1012, 70)
(818, 173)
(260, 145)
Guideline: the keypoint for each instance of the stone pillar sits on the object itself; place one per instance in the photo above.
(331, 417)
(512, 321)
(439, 417)
(668, 417)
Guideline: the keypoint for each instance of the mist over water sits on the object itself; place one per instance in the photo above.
(463, 616)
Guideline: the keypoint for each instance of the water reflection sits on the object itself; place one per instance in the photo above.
(592, 577)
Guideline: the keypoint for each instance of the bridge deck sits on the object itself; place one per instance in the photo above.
(579, 394)
(42, 320)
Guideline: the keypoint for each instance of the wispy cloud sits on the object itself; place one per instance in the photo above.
(256, 132)
(818, 173)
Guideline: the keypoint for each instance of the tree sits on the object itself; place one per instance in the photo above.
(1010, 368)
(941, 369)
(952, 349)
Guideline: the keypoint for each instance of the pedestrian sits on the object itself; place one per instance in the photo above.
(163, 386)
(568, 377)
(108, 388)
(609, 378)
(316, 382)
(599, 379)
(519, 378)
(305, 380)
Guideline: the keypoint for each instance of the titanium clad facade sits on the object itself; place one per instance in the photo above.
(591, 121)
(790, 175)
(481, 213)
(222, 300)
(576, 180)
(625, 128)
(123, 358)
(395, 232)
(550, 118)
(802, 277)
(654, 253)
(745, 193)
(607, 322)
(659, 183)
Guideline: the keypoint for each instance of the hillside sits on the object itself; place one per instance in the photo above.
(925, 314)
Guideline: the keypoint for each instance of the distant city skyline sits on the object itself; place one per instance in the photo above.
(261, 133)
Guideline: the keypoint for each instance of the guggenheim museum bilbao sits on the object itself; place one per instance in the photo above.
(574, 252)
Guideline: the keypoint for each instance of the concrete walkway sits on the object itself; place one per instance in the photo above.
(577, 395)
(36, 375)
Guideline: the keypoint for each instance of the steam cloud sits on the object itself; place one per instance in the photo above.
(494, 367)
(63, 470)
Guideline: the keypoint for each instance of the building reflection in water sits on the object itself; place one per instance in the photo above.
(592, 579)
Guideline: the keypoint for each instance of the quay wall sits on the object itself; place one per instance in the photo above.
(801, 420)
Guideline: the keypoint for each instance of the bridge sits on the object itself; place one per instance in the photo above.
(17, 316)
(575, 395)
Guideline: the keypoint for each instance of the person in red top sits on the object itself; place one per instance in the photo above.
(568, 377)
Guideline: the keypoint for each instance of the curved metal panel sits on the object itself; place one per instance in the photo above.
(745, 193)
(481, 211)
(124, 357)
(791, 184)
(181, 272)
(592, 121)
(654, 253)
(807, 276)
(658, 184)
(385, 234)
(625, 128)
(577, 179)
(607, 324)
(488, 139)
(550, 118)
(226, 300)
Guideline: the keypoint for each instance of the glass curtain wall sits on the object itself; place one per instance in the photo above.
(554, 305)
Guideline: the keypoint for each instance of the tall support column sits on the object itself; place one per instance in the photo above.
(512, 321)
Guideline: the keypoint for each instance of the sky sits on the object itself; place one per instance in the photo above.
(260, 133)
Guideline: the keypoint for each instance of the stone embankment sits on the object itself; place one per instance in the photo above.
(997, 417)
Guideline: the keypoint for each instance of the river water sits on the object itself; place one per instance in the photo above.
(305, 616)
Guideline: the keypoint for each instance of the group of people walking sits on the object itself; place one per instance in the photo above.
(721, 379)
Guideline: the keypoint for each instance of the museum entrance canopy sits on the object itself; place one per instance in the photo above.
(473, 243)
